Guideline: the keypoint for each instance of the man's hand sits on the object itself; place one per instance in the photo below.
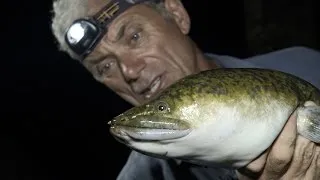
(291, 157)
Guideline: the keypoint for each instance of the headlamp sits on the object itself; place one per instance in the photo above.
(84, 34)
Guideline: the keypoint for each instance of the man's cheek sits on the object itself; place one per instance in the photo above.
(118, 86)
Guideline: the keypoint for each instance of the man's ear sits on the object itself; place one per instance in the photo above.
(179, 13)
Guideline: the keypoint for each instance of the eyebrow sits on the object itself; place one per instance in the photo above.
(120, 32)
(124, 24)
(119, 35)
(95, 60)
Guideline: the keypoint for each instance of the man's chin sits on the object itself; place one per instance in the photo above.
(152, 97)
(131, 99)
(138, 100)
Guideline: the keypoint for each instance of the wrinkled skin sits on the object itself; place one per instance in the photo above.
(152, 47)
(157, 49)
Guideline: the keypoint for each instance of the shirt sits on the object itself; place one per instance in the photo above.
(299, 61)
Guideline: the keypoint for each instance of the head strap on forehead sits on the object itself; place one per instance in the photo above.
(85, 33)
(112, 9)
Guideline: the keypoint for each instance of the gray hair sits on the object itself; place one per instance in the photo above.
(66, 11)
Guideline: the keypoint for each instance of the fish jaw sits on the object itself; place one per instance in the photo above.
(148, 128)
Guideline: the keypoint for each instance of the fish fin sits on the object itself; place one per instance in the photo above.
(308, 122)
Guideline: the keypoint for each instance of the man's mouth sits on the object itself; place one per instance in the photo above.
(153, 88)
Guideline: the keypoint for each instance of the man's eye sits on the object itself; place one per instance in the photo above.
(104, 68)
(135, 37)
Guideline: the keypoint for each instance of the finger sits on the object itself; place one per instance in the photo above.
(254, 169)
(282, 150)
(317, 161)
(303, 156)
(314, 170)
(258, 164)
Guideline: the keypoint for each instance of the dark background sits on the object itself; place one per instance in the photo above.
(54, 116)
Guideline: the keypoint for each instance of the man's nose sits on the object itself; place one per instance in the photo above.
(131, 68)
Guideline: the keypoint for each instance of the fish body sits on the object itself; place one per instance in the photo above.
(221, 117)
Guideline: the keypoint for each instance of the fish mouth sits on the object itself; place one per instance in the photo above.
(149, 128)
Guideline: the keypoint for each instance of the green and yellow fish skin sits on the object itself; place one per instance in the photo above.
(196, 99)
(229, 85)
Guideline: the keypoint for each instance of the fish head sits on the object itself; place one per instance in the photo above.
(156, 127)
(154, 121)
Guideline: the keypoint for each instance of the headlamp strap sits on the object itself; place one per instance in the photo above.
(110, 11)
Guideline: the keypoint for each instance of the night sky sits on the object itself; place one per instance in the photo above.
(55, 113)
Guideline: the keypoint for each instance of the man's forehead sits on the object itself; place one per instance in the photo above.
(106, 11)
(96, 5)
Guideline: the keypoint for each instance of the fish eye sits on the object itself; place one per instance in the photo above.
(162, 106)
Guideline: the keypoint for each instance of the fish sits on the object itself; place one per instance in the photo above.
(220, 117)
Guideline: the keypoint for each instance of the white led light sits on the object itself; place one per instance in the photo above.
(75, 33)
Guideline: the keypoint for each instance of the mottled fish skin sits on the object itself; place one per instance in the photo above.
(189, 106)
(228, 85)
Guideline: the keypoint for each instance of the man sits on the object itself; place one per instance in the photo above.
(138, 48)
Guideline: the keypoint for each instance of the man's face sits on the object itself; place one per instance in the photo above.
(142, 53)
